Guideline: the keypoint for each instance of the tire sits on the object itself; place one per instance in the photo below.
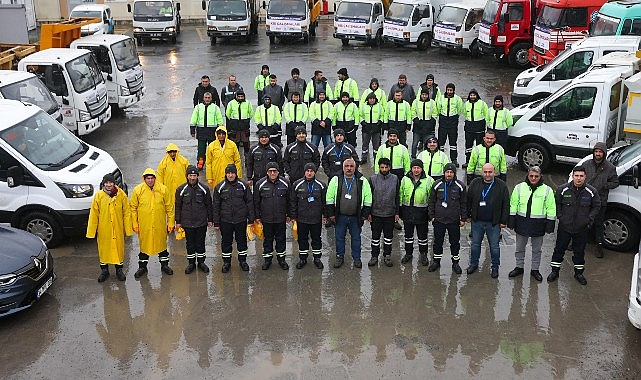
(306, 39)
(248, 38)
(518, 56)
(474, 49)
(424, 41)
(272, 40)
(534, 154)
(621, 231)
(345, 41)
(212, 40)
(45, 226)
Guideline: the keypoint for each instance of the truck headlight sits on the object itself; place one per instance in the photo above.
(212, 17)
(523, 82)
(303, 27)
(124, 91)
(76, 191)
(136, 30)
(84, 116)
(242, 28)
(170, 29)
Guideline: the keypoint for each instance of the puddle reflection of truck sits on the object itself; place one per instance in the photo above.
(231, 19)
(292, 19)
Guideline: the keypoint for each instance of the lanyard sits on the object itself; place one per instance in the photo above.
(486, 191)
(348, 186)
(445, 191)
(339, 154)
(310, 189)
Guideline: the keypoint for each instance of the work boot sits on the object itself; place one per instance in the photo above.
(423, 259)
(436, 263)
(120, 275)
(190, 268)
(282, 263)
(358, 263)
(140, 272)
(554, 275)
(104, 274)
(301, 263)
(388, 261)
(373, 261)
(536, 274)
(226, 267)
(516, 272)
(363, 160)
(166, 269)
(494, 272)
(599, 250)
(318, 263)
(456, 268)
(579, 277)
(406, 259)
(471, 269)
(339, 261)
(267, 263)
(244, 266)
(203, 267)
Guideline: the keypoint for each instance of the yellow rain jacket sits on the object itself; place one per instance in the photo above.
(219, 157)
(110, 217)
(171, 173)
(152, 213)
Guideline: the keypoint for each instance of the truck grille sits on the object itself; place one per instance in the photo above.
(98, 106)
(35, 271)
(227, 28)
(135, 85)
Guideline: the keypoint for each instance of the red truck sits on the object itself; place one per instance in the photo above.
(559, 24)
(507, 30)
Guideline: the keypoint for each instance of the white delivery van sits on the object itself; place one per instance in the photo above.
(75, 81)
(101, 11)
(409, 22)
(26, 87)
(457, 26)
(48, 176)
(359, 20)
(155, 19)
(541, 81)
(117, 58)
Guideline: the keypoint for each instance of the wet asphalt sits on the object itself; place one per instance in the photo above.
(380, 322)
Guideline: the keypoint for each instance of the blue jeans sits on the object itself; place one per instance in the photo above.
(493, 233)
(317, 138)
(351, 223)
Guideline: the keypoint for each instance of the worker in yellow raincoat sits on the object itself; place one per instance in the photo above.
(171, 169)
(152, 217)
(110, 217)
(221, 153)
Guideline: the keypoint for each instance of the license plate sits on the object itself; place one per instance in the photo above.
(44, 287)
(155, 34)
(138, 95)
(227, 34)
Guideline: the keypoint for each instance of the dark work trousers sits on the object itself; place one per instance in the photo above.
(454, 233)
(598, 223)
(351, 138)
(448, 131)
(195, 241)
(143, 259)
(579, 239)
(472, 139)
(312, 231)
(202, 150)
(386, 226)
(228, 231)
(501, 137)
(421, 233)
(274, 231)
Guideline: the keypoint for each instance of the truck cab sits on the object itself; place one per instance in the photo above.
(98, 11)
(291, 19)
(155, 20)
(76, 82)
(117, 58)
(231, 19)
(541, 81)
(360, 20)
(409, 22)
(506, 30)
(618, 18)
(26, 87)
(457, 27)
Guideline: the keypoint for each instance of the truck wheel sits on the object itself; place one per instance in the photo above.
(423, 41)
(272, 40)
(306, 39)
(312, 29)
(534, 154)
(173, 39)
(344, 41)
(518, 56)
(248, 38)
(212, 40)
(44, 226)
(474, 49)
(378, 40)
(621, 231)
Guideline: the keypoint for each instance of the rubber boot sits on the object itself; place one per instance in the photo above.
(267, 263)
(242, 261)
(302, 261)
(191, 266)
(282, 263)
(554, 275)
(142, 265)
(226, 264)
(436, 263)
(104, 273)
(120, 275)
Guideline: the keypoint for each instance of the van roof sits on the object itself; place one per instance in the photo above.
(99, 39)
(617, 58)
(617, 41)
(622, 8)
(375, 1)
(607, 75)
(11, 76)
(469, 4)
(90, 7)
(61, 55)
(14, 111)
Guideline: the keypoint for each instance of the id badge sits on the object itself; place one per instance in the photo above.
(482, 204)
(444, 204)
(310, 199)
(337, 163)
(348, 196)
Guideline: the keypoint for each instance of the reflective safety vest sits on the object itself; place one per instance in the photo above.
(267, 116)
(434, 163)
(537, 205)
(236, 110)
(322, 111)
(415, 194)
(481, 155)
(450, 106)
(397, 154)
(499, 119)
(296, 112)
(424, 110)
(380, 95)
(347, 112)
(206, 116)
(260, 83)
(349, 86)
(401, 111)
(373, 113)
(475, 111)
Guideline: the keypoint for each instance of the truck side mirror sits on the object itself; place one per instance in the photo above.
(65, 101)
(15, 176)
(203, 5)
(129, 8)
(178, 7)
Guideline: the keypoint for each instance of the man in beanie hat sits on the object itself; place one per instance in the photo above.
(373, 120)
(499, 119)
(346, 84)
(414, 197)
(450, 108)
(233, 211)
(434, 160)
(262, 154)
(109, 217)
(398, 155)
(294, 84)
(221, 153)
(268, 117)
(271, 203)
(432, 88)
(299, 153)
(317, 84)
(194, 213)
(424, 113)
(307, 209)
(347, 117)
(448, 212)
(203, 87)
(336, 153)
(261, 81)
(374, 88)
(205, 118)
(475, 114)
(322, 118)
(152, 217)
(385, 210)
(239, 113)
(171, 169)
(296, 114)
(399, 116)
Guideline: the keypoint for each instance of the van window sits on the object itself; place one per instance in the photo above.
(6, 161)
(574, 65)
(615, 94)
(575, 17)
(631, 27)
(627, 178)
(102, 57)
(575, 104)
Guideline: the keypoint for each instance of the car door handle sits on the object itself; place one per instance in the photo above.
(588, 126)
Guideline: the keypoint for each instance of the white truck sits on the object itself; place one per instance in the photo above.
(155, 20)
(117, 58)
(457, 26)
(76, 82)
(231, 19)
(360, 20)
(48, 176)
(26, 87)
(541, 81)
(99, 11)
(291, 19)
(411, 22)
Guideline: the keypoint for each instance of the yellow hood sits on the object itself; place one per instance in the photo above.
(172, 146)
(221, 128)
(148, 171)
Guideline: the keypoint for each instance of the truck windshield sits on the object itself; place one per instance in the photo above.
(604, 25)
(399, 12)
(33, 91)
(452, 15)
(125, 54)
(490, 11)
(285, 8)
(625, 154)
(44, 142)
(227, 8)
(153, 8)
(85, 14)
(84, 73)
(359, 11)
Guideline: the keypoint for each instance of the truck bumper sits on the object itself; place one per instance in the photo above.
(74, 222)
(292, 35)
(539, 59)
(519, 99)
(354, 37)
(86, 127)
(447, 45)
(396, 40)
(490, 49)
(125, 101)
(154, 34)
(227, 34)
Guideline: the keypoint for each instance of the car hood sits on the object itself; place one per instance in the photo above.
(18, 248)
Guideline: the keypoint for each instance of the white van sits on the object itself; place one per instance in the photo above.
(26, 87)
(541, 81)
(48, 176)
(101, 11)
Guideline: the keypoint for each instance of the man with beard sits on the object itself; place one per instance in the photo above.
(424, 113)
(450, 107)
(385, 209)
(374, 88)
(499, 119)
(205, 118)
(347, 117)
(296, 115)
(269, 118)
(414, 198)
(203, 87)
(434, 160)
(475, 114)
(239, 113)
